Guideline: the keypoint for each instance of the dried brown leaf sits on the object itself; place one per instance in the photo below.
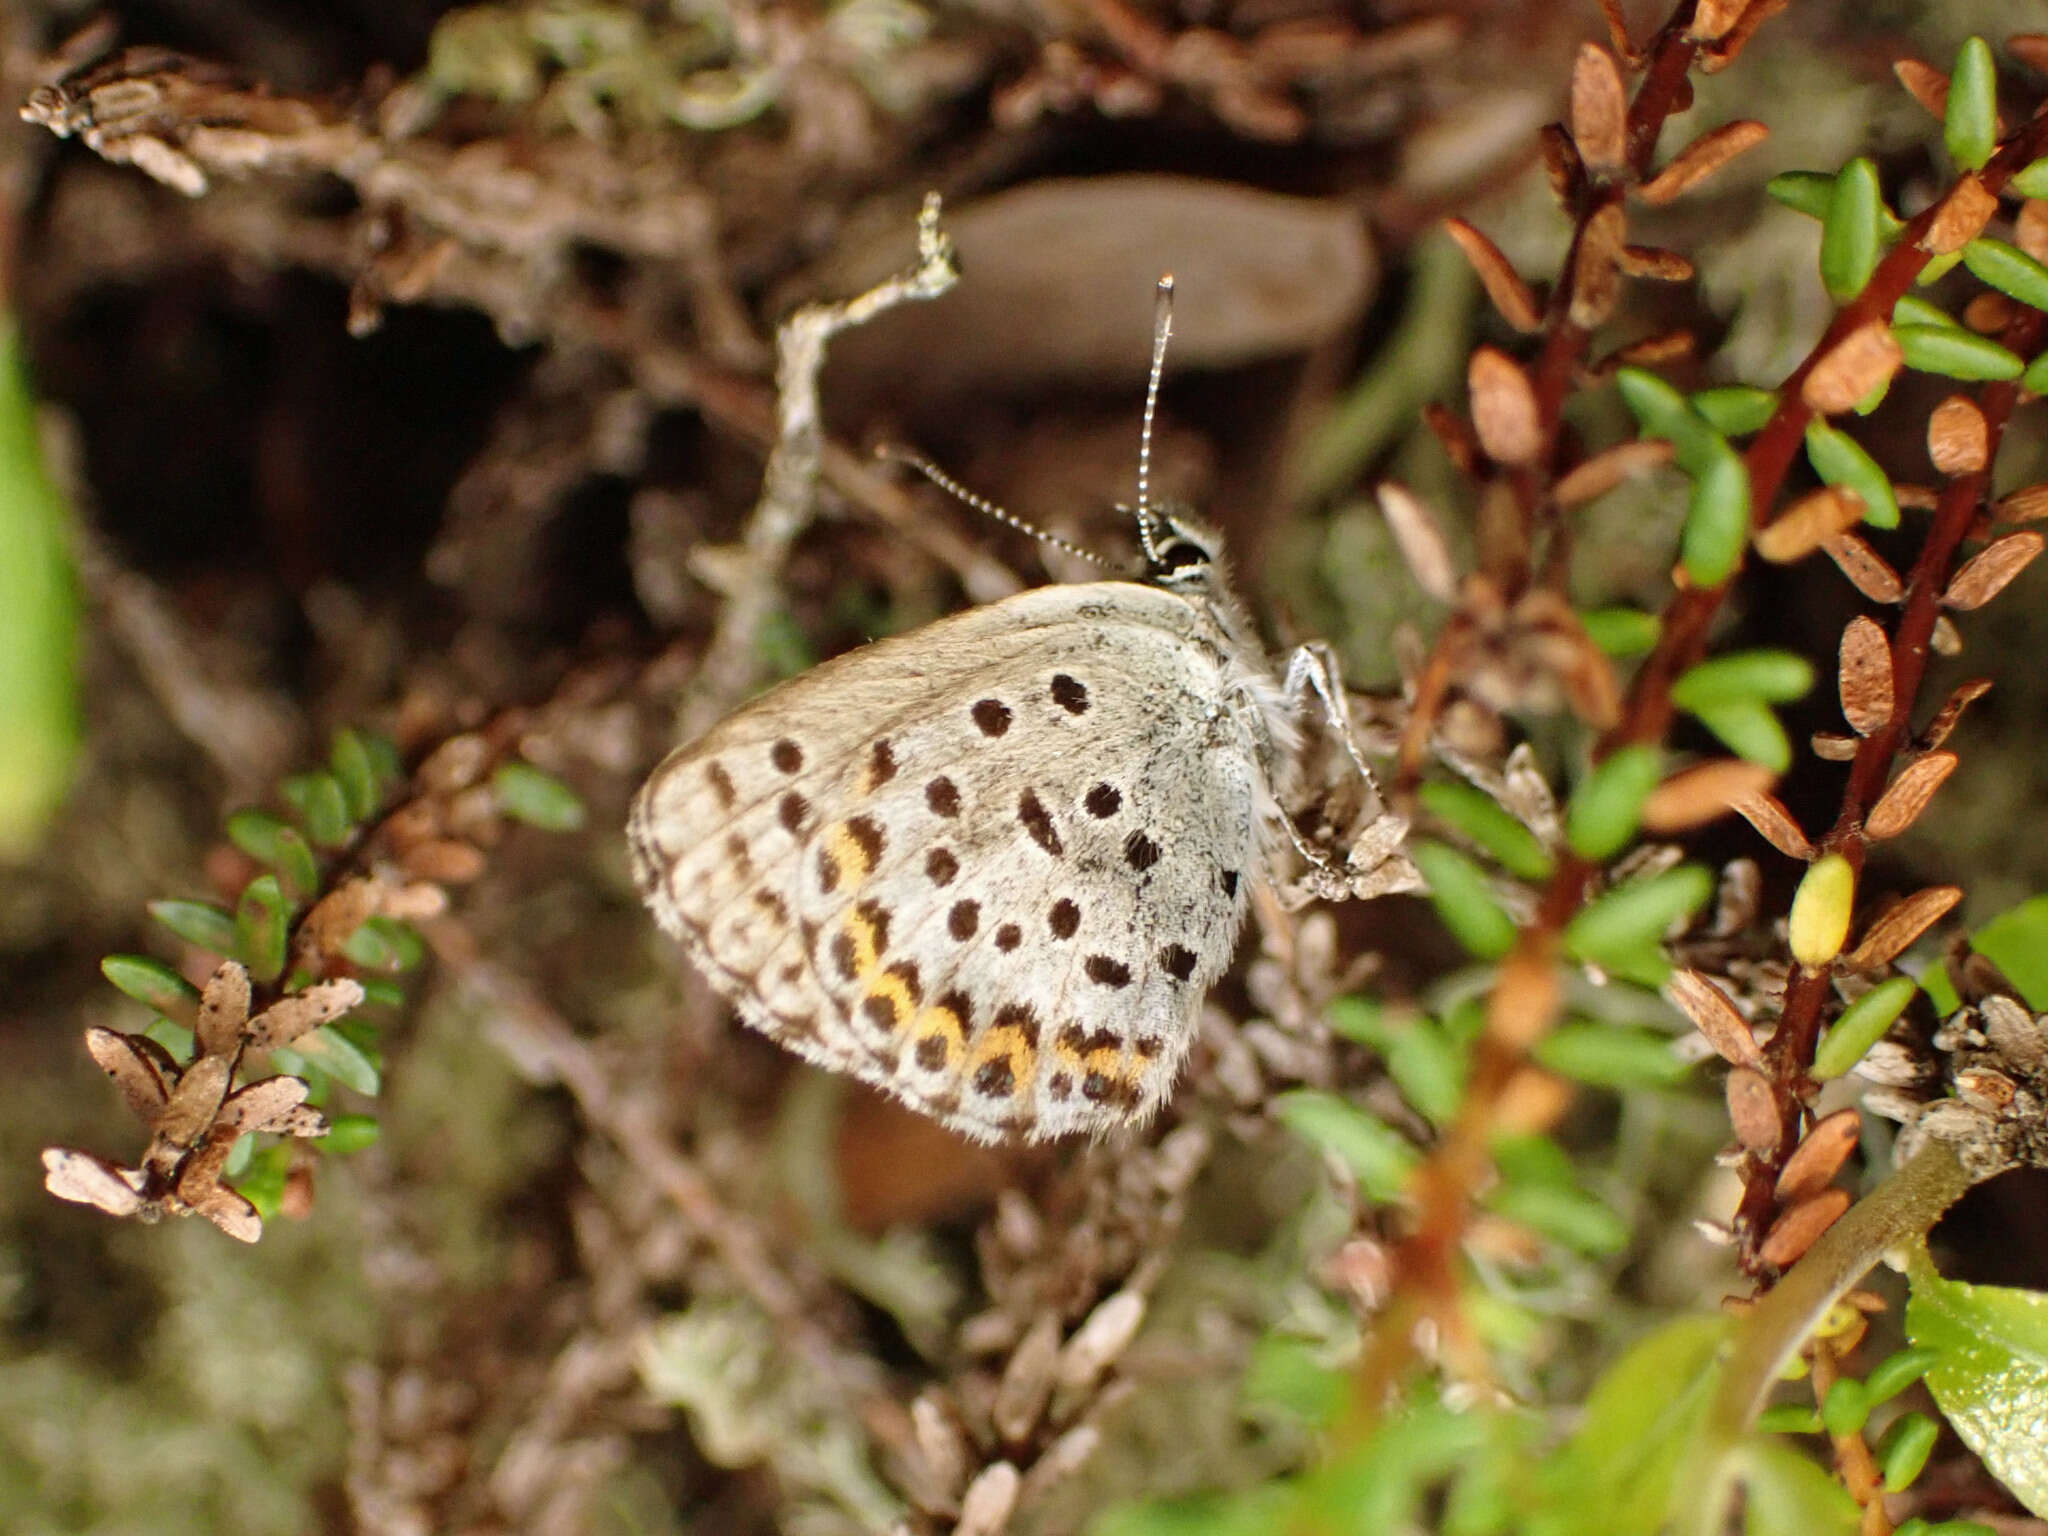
(448, 860)
(1720, 55)
(2030, 228)
(194, 1101)
(1523, 1004)
(1752, 1108)
(1768, 815)
(1831, 747)
(2028, 504)
(1808, 524)
(1945, 639)
(1701, 158)
(1925, 84)
(84, 1179)
(334, 917)
(1907, 795)
(1656, 264)
(1420, 540)
(1712, 19)
(1961, 218)
(1854, 366)
(262, 1106)
(1604, 471)
(304, 1010)
(1867, 570)
(1562, 166)
(1958, 439)
(1026, 1383)
(1899, 925)
(1503, 284)
(223, 1010)
(1702, 793)
(1596, 270)
(1800, 1227)
(1503, 407)
(1664, 347)
(1951, 711)
(1865, 677)
(458, 763)
(1986, 573)
(1715, 1017)
(1599, 108)
(1454, 432)
(1989, 313)
(986, 1506)
(135, 1072)
(231, 1213)
(1813, 1166)
(1617, 30)
(2030, 49)
(1915, 497)
(414, 902)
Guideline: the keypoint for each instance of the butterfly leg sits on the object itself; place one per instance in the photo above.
(1374, 865)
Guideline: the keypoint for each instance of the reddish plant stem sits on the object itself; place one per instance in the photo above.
(1807, 992)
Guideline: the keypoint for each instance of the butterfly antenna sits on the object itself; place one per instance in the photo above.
(982, 504)
(1162, 331)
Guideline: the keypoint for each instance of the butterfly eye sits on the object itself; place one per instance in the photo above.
(1178, 555)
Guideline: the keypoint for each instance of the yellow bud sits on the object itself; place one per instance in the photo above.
(1820, 910)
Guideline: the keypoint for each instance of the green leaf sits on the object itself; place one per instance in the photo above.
(1611, 1056)
(1896, 1372)
(1788, 1419)
(1807, 192)
(1716, 517)
(1616, 1475)
(382, 991)
(1622, 632)
(1288, 1374)
(384, 944)
(1749, 730)
(1775, 677)
(1787, 1495)
(1937, 268)
(1969, 126)
(1852, 234)
(355, 770)
(1914, 310)
(2016, 941)
(335, 1053)
(1735, 410)
(351, 1133)
(262, 925)
(1661, 411)
(152, 983)
(202, 926)
(2030, 180)
(1376, 1153)
(1991, 1381)
(39, 621)
(1626, 919)
(1846, 1408)
(274, 841)
(1428, 1069)
(262, 1182)
(1862, 1024)
(1607, 806)
(2008, 269)
(1903, 1452)
(1818, 925)
(174, 1038)
(1569, 1217)
(1488, 824)
(318, 799)
(1955, 354)
(2036, 376)
(1257, 1511)
(1840, 460)
(538, 799)
(1457, 889)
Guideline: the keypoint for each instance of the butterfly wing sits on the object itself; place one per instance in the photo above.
(991, 867)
